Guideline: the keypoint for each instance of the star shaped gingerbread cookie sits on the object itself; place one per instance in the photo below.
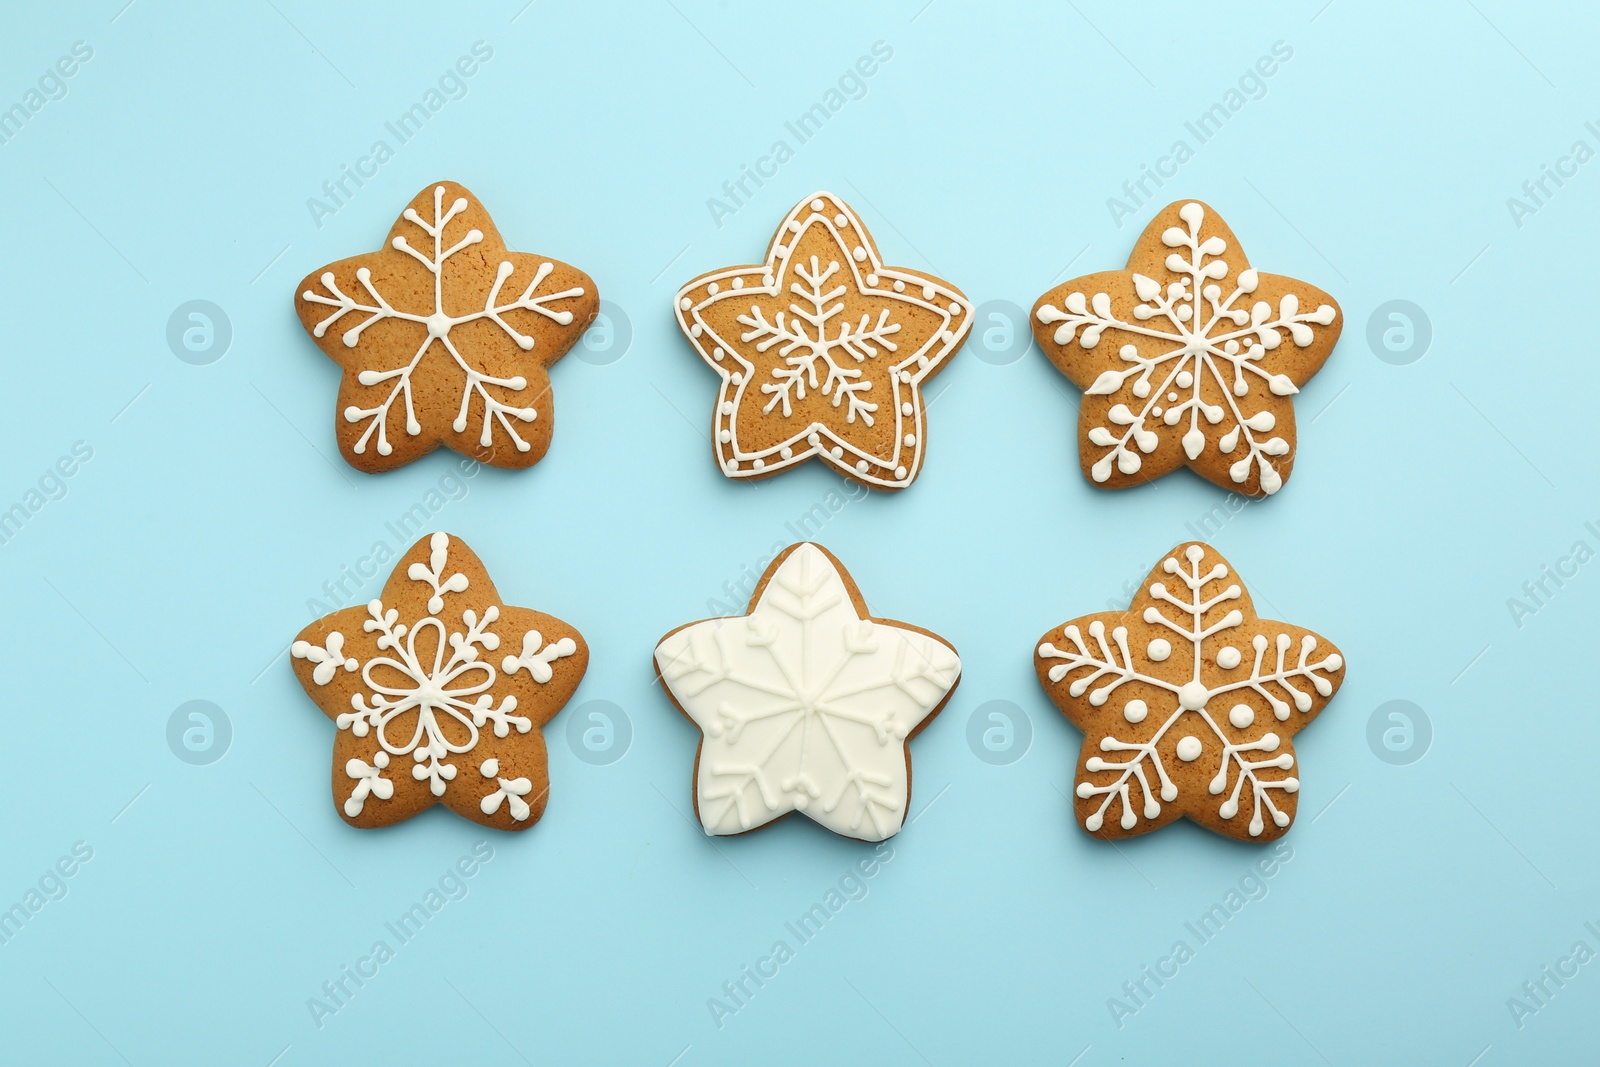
(823, 351)
(806, 703)
(438, 691)
(1188, 702)
(445, 337)
(1189, 357)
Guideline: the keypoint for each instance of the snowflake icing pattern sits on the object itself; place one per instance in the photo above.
(429, 689)
(805, 705)
(1198, 707)
(498, 398)
(1193, 353)
(823, 350)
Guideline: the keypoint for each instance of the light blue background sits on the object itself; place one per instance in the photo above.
(220, 898)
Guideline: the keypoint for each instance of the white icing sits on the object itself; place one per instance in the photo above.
(510, 790)
(805, 705)
(439, 326)
(860, 366)
(1103, 662)
(328, 658)
(440, 690)
(1198, 332)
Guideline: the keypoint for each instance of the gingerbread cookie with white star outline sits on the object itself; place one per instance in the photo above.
(1188, 703)
(822, 350)
(806, 702)
(439, 691)
(445, 337)
(1188, 357)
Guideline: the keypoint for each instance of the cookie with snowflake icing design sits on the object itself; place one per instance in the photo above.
(439, 691)
(806, 703)
(1189, 357)
(445, 337)
(1188, 702)
(823, 350)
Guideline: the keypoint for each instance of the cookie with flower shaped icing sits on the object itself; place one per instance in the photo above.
(1189, 357)
(438, 691)
(445, 337)
(806, 702)
(1188, 703)
(822, 350)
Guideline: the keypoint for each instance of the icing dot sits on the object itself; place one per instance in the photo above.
(685, 303)
(816, 205)
(1156, 411)
(780, 251)
(905, 408)
(836, 452)
(1189, 748)
(905, 376)
(858, 253)
(717, 354)
(1135, 711)
(1184, 379)
(899, 285)
(1159, 649)
(1241, 715)
(1193, 696)
(1171, 397)
(1228, 657)
(737, 283)
(813, 439)
(767, 279)
(724, 436)
(712, 288)
(900, 472)
(911, 439)
(758, 464)
(787, 453)
(727, 407)
(927, 292)
(696, 330)
(736, 378)
(861, 465)
(872, 279)
(732, 466)
(955, 308)
(840, 220)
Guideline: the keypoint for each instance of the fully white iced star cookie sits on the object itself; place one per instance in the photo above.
(806, 703)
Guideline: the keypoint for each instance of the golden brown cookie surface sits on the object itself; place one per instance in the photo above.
(1188, 702)
(822, 350)
(439, 691)
(1189, 357)
(445, 337)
